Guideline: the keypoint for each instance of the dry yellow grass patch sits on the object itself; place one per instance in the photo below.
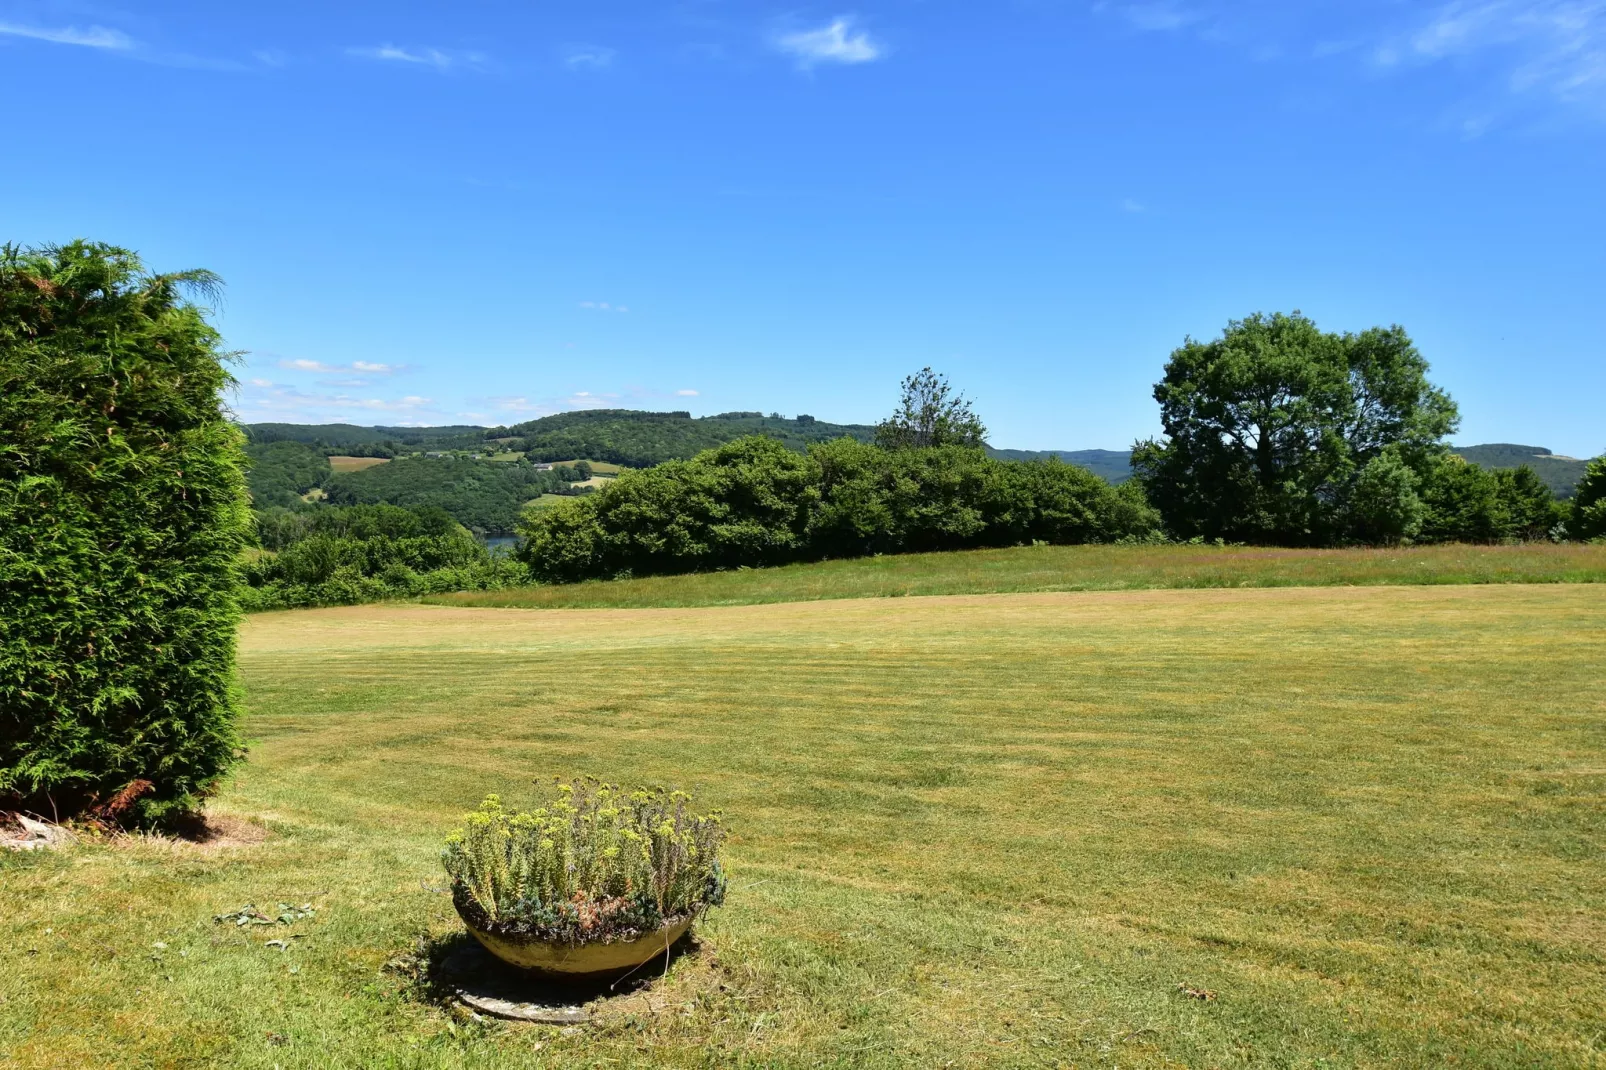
(355, 464)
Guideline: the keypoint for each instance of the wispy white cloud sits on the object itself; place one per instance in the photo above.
(686, 393)
(1552, 47)
(358, 367)
(587, 57)
(581, 399)
(839, 41)
(404, 404)
(436, 58)
(90, 37)
(1130, 205)
(1153, 15)
(267, 401)
(120, 43)
(603, 306)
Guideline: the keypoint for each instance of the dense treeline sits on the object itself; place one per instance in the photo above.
(354, 441)
(643, 439)
(122, 519)
(364, 553)
(755, 502)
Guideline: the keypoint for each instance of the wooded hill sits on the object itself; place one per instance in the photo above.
(643, 439)
(290, 460)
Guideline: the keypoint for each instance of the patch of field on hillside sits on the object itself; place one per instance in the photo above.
(1070, 568)
(1001, 831)
(548, 501)
(355, 464)
(602, 468)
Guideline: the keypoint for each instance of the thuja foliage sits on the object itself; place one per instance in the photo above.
(596, 863)
(122, 517)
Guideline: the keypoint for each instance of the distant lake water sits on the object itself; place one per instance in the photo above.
(502, 544)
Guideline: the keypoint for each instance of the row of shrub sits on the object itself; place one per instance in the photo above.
(365, 553)
(754, 502)
(1454, 501)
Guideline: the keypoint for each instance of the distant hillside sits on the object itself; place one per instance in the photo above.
(1561, 474)
(1114, 465)
(342, 435)
(643, 439)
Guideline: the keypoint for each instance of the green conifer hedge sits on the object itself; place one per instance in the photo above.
(122, 516)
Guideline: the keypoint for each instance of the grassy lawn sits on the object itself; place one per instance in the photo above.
(966, 831)
(1069, 568)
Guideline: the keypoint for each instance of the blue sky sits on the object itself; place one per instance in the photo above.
(482, 212)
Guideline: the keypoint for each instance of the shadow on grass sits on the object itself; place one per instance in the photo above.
(447, 967)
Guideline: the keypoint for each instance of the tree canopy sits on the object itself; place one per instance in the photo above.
(930, 414)
(1269, 428)
(1589, 503)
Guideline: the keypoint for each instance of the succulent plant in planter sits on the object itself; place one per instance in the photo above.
(596, 881)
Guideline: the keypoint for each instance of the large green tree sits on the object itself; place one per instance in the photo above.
(122, 516)
(1269, 427)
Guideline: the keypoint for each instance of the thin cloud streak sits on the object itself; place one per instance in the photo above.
(93, 37)
(359, 367)
(588, 57)
(435, 58)
(1159, 16)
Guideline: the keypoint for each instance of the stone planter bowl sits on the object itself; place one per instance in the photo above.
(558, 961)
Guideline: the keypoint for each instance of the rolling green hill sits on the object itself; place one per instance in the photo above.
(1112, 465)
(642, 439)
(482, 495)
(1561, 474)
